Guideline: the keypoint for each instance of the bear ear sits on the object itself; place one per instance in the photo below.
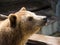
(23, 9)
(12, 19)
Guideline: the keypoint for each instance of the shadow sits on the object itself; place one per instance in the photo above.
(31, 42)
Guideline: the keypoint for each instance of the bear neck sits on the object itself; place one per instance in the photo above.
(20, 38)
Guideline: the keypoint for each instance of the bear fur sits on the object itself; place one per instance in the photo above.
(19, 26)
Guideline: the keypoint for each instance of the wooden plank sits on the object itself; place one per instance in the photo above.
(46, 39)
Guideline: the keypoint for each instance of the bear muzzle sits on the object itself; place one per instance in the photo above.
(45, 20)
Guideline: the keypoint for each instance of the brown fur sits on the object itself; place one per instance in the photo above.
(15, 31)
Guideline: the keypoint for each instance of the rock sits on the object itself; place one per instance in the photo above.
(9, 6)
(4, 1)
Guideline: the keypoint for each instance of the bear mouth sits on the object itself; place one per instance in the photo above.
(44, 22)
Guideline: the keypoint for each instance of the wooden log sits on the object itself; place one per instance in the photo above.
(46, 39)
(3, 17)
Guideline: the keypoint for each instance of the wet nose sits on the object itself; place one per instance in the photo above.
(45, 20)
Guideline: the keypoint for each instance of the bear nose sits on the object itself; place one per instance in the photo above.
(45, 20)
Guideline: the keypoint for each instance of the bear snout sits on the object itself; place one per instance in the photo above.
(45, 20)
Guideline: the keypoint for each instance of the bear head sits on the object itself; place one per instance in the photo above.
(19, 26)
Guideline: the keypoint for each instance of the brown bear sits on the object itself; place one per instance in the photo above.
(19, 26)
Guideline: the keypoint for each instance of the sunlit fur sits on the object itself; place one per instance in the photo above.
(16, 29)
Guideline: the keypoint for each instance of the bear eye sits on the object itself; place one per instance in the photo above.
(30, 18)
